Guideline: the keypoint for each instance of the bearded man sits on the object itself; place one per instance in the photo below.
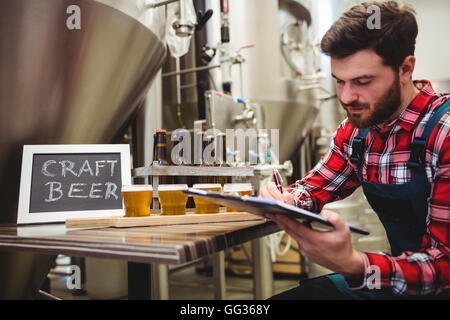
(395, 144)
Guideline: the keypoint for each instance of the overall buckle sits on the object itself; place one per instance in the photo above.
(417, 158)
(357, 150)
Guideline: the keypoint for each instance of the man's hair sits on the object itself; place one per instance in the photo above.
(393, 41)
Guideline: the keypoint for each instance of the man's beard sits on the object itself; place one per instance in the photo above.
(387, 106)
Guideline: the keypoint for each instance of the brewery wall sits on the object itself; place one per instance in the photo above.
(430, 62)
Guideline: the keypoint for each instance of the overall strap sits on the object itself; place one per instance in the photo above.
(419, 144)
(358, 145)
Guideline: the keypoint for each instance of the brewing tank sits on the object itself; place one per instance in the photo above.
(290, 101)
(72, 72)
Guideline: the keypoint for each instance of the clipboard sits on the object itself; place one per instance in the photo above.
(261, 207)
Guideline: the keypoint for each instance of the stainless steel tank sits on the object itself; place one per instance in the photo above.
(64, 85)
(287, 106)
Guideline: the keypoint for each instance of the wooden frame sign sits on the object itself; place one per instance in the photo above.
(72, 181)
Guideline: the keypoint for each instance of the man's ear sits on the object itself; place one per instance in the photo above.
(406, 69)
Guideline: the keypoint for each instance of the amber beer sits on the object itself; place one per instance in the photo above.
(160, 153)
(137, 200)
(205, 206)
(172, 199)
(238, 189)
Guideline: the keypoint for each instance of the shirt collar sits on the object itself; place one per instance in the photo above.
(409, 117)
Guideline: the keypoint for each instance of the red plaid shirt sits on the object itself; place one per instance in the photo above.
(335, 177)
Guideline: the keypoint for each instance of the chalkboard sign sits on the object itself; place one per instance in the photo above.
(71, 181)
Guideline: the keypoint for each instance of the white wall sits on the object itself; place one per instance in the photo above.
(432, 46)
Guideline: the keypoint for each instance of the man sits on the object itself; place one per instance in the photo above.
(386, 147)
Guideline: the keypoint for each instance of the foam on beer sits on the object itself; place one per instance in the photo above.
(207, 186)
(137, 187)
(172, 187)
(237, 187)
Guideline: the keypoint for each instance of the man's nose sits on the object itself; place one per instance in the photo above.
(347, 94)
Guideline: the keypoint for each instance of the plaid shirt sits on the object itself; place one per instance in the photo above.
(387, 151)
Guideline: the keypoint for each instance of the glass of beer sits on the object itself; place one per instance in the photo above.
(205, 206)
(237, 189)
(172, 199)
(137, 200)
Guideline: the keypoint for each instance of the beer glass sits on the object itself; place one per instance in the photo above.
(172, 199)
(237, 189)
(137, 200)
(205, 206)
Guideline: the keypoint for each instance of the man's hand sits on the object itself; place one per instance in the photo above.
(270, 191)
(330, 249)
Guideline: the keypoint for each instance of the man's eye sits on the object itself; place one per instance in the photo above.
(362, 82)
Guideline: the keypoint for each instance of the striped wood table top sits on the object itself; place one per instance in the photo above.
(171, 244)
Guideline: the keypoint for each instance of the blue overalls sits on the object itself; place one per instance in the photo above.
(401, 208)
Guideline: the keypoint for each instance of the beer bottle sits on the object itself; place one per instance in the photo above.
(160, 154)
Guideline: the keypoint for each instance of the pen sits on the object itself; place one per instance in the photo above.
(278, 180)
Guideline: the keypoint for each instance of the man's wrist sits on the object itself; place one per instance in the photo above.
(354, 274)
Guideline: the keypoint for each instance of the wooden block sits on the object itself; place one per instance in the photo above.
(160, 220)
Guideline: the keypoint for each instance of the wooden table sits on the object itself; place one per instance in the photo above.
(157, 246)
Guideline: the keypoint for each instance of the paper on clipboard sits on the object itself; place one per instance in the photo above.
(261, 207)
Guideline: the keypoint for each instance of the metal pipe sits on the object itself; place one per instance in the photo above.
(42, 295)
(158, 4)
(178, 82)
(208, 285)
(218, 266)
(262, 270)
(176, 268)
(174, 73)
(160, 281)
(179, 115)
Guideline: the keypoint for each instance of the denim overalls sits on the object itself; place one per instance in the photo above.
(401, 208)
